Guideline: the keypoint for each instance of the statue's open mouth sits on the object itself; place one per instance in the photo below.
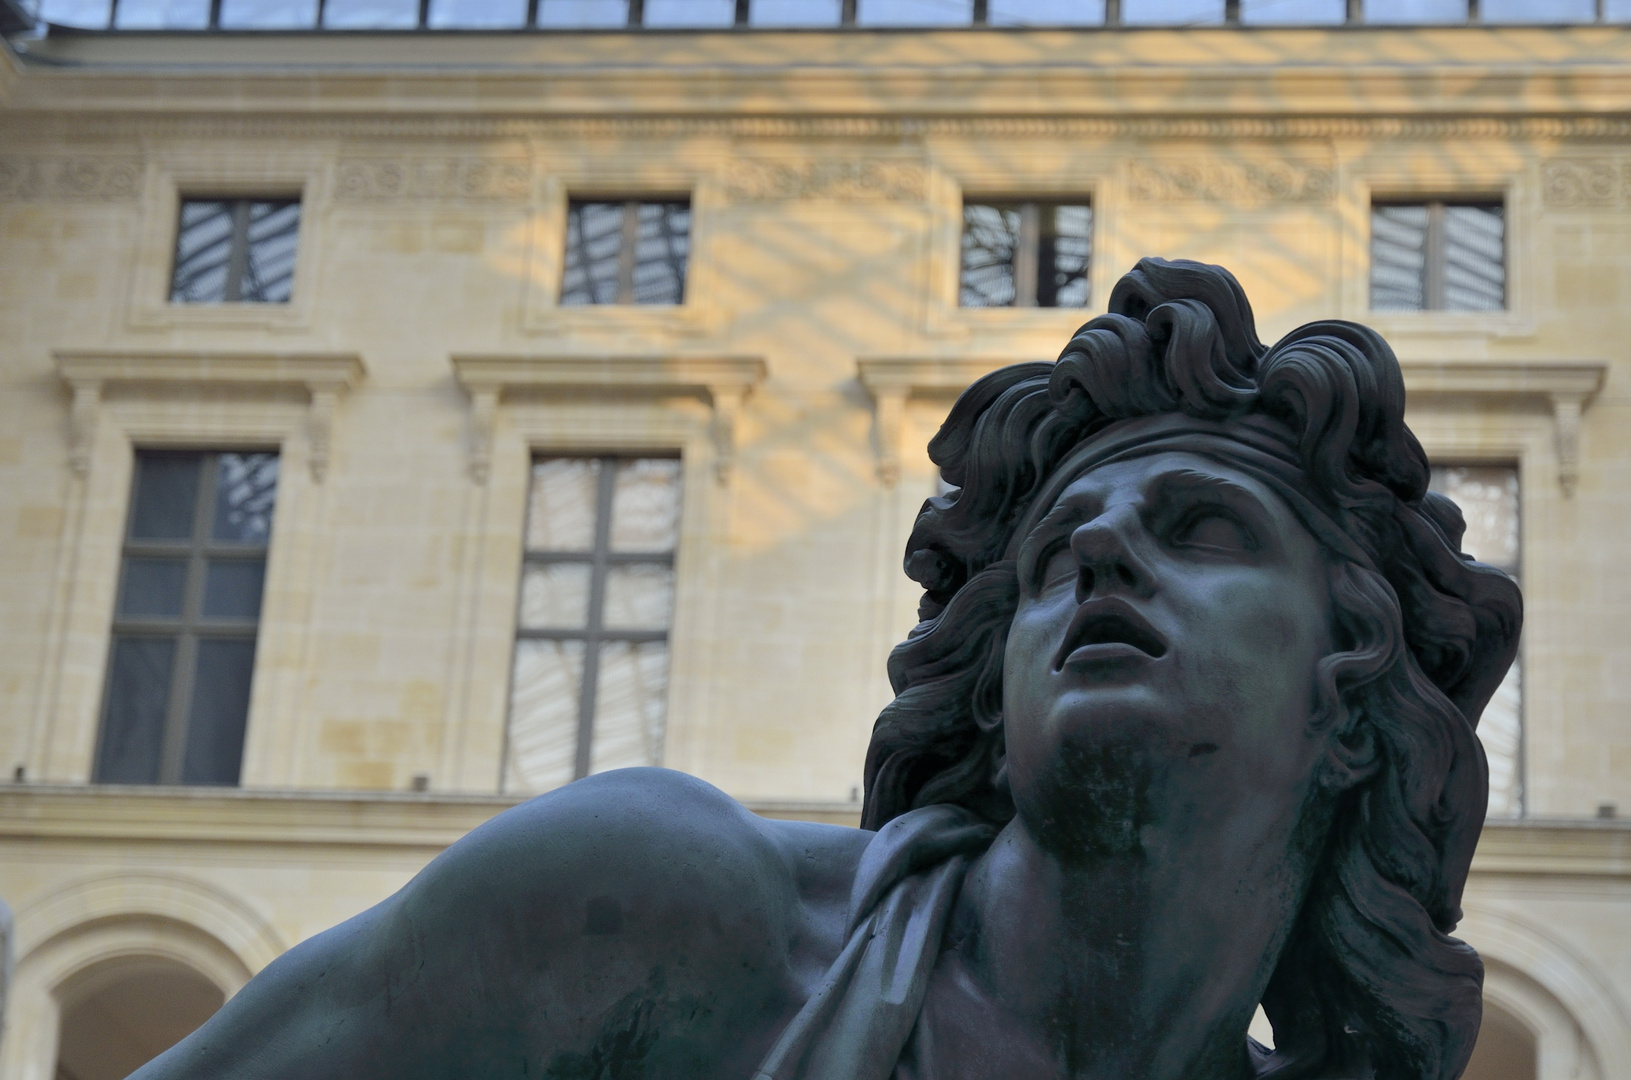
(1108, 629)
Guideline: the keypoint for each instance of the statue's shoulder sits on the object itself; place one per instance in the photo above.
(654, 850)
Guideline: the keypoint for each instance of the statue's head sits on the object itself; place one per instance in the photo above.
(1182, 573)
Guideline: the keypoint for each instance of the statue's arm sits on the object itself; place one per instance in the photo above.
(636, 913)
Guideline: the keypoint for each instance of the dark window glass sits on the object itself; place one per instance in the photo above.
(1438, 256)
(588, 689)
(184, 627)
(1026, 254)
(139, 670)
(631, 252)
(235, 251)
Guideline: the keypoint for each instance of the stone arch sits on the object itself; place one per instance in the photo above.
(68, 938)
(1581, 1028)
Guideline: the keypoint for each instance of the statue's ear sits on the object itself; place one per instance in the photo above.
(1351, 755)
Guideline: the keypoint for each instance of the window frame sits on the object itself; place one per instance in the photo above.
(600, 558)
(1434, 263)
(1027, 260)
(627, 248)
(198, 549)
(238, 247)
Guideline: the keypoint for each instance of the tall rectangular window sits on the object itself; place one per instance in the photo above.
(1438, 256)
(629, 252)
(1026, 254)
(184, 624)
(1489, 499)
(235, 251)
(589, 687)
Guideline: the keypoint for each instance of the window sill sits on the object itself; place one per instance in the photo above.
(1443, 324)
(960, 322)
(224, 316)
(592, 320)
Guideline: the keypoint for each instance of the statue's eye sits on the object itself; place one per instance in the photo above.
(1215, 528)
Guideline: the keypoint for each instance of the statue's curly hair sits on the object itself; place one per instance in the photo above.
(1370, 983)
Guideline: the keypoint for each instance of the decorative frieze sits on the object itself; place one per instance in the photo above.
(750, 180)
(70, 178)
(480, 178)
(1229, 182)
(1574, 183)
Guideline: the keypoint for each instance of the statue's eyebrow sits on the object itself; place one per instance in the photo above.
(1181, 482)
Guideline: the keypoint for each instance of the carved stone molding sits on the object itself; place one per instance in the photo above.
(1579, 182)
(1566, 386)
(749, 180)
(1229, 182)
(324, 376)
(366, 179)
(725, 380)
(108, 179)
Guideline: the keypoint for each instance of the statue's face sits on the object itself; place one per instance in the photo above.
(1160, 670)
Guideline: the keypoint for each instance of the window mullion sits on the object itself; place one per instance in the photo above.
(1027, 255)
(237, 252)
(174, 745)
(626, 252)
(637, 12)
(597, 605)
(1433, 268)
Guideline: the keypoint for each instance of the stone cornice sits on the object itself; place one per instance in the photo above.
(725, 380)
(89, 373)
(1353, 77)
(125, 815)
(1565, 386)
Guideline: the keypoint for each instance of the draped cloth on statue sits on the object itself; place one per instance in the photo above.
(858, 1021)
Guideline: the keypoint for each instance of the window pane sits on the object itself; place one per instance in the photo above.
(646, 505)
(1537, 11)
(87, 13)
(245, 492)
(137, 696)
(161, 14)
(371, 14)
(476, 14)
(630, 702)
(1045, 13)
(219, 711)
(1066, 244)
(269, 263)
(914, 12)
(232, 588)
(1415, 11)
(1499, 729)
(555, 596)
(639, 598)
(583, 14)
(203, 250)
(594, 237)
(1617, 11)
(1293, 12)
(543, 740)
(1398, 257)
(660, 253)
(561, 508)
(990, 239)
(268, 14)
(166, 494)
(1488, 497)
(797, 12)
(1171, 12)
(662, 13)
(1474, 258)
(152, 588)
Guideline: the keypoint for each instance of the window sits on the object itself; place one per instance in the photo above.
(588, 691)
(235, 251)
(1438, 256)
(631, 252)
(1488, 497)
(189, 600)
(1026, 254)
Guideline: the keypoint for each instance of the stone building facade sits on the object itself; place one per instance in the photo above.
(434, 365)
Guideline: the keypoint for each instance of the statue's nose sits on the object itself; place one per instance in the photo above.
(1108, 550)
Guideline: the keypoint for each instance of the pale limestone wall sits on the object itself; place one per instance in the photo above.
(826, 172)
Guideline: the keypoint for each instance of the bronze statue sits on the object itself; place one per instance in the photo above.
(1187, 726)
